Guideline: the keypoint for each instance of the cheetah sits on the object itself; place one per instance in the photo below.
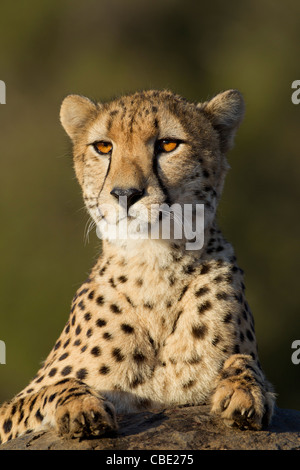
(155, 324)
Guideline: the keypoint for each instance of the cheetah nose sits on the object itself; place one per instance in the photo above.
(132, 194)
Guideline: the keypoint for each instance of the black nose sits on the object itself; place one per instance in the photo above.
(132, 194)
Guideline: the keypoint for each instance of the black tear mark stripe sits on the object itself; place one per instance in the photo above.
(160, 182)
(106, 175)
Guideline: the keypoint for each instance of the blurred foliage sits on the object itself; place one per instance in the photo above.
(109, 47)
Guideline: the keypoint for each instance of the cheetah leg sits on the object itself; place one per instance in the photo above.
(70, 407)
(242, 396)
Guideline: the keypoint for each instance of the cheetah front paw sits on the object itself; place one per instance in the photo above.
(240, 398)
(86, 416)
(238, 406)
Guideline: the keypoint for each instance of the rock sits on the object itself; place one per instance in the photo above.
(180, 428)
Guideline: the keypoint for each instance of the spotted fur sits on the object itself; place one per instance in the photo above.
(155, 324)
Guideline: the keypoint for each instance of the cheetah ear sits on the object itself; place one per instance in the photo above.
(75, 112)
(225, 111)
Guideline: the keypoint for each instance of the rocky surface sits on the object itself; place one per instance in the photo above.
(187, 428)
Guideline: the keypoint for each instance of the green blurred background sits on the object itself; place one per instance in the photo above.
(106, 48)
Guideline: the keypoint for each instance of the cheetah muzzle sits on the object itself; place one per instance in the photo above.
(159, 322)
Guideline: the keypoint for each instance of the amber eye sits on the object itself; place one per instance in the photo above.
(102, 147)
(166, 145)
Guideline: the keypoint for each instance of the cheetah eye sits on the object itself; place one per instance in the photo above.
(166, 145)
(102, 147)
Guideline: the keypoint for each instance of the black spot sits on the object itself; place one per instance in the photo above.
(77, 342)
(227, 318)
(81, 374)
(107, 336)
(66, 370)
(102, 271)
(57, 345)
(195, 359)
(116, 352)
(138, 356)
(139, 282)
(242, 337)
(219, 248)
(78, 330)
(182, 293)
(95, 351)
(91, 295)
(239, 298)
(81, 305)
(249, 335)
(83, 291)
(104, 370)
(66, 343)
(216, 340)
(188, 384)
(40, 379)
(205, 306)
(63, 356)
(83, 349)
(205, 174)
(87, 316)
(32, 403)
(127, 328)
(199, 331)
(100, 300)
(176, 320)
(222, 296)
(114, 112)
(100, 322)
(148, 305)
(129, 300)
(7, 425)
(89, 333)
(122, 279)
(52, 372)
(112, 282)
(205, 268)
(202, 291)
(189, 269)
(39, 416)
(236, 349)
(115, 309)
(138, 380)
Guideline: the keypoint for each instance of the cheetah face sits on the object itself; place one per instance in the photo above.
(137, 156)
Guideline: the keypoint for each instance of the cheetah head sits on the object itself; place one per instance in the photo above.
(140, 153)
